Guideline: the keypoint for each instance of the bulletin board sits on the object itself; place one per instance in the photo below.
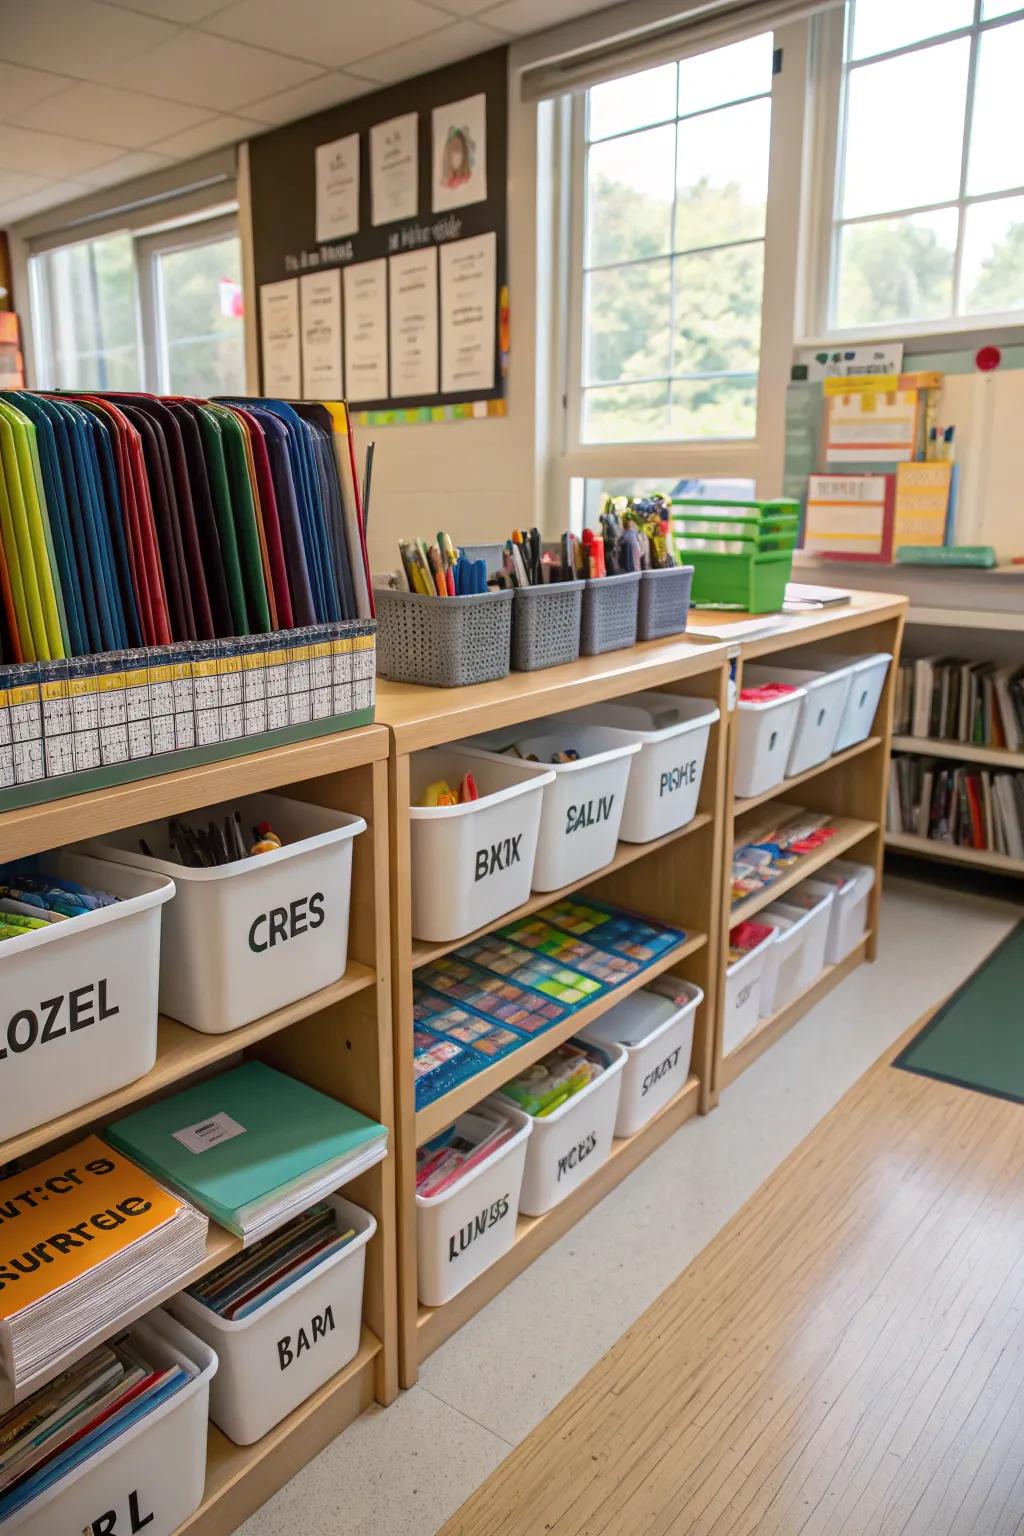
(380, 248)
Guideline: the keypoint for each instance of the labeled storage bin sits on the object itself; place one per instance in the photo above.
(664, 602)
(101, 970)
(468, 1227)
(741, 551)
(797, 958)
(742, 1006)
(271, 1361)
(665, 777)
(821, 710)
(654, 1026)
(245, 938)
(764, 735)
(472, 863)
(583, 801)
(546, 625)
(867, 679)
(445, 642)
(610, 608)
(566, 1147)
(851, 885)
(152, 1476)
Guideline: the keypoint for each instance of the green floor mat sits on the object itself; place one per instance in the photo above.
(976, 1039)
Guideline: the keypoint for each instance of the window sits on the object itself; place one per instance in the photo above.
(928, 217)
(85, 316)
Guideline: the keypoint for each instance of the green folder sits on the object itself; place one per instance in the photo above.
(244, 508)
(220, 494)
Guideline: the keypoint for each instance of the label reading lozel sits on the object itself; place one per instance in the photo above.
(209, 1133)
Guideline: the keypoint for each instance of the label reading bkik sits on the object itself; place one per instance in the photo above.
(498, 856)
(209, 1133)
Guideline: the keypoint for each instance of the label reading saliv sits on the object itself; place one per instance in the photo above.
(209, 1133)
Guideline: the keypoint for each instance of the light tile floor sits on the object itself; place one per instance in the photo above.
(402, 1471)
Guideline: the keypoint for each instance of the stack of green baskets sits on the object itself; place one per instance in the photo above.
(741, 551)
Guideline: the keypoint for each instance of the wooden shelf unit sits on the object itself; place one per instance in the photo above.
(960, 752)
(338, 1040)
(979, 858)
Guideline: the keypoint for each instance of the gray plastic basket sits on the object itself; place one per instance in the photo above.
(664, 602)
(445, 642)
(546, 625)
(609, 613)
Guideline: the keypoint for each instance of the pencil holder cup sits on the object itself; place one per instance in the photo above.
(546, 625)
(609, 613)
(664, 602)
(445, 642)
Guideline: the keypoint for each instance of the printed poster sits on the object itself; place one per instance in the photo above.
(366, 330)
(279, 336)
(412, 280)
(337, 188)
(468, 314)
(394, 169)
(320, 310)
(460, 153)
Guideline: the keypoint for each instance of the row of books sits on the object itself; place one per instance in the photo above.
(966, 805)
(947, 698)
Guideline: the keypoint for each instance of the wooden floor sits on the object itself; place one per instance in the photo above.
(846, 1356)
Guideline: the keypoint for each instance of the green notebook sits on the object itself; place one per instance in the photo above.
(249, 1144)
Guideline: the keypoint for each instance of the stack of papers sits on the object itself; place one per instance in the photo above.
(85, 1237)
(461, 1148)
(251, 1147)
(249, 1280)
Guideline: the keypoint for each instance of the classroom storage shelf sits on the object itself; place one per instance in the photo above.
(848, 833)
(742, 804)
(959, 751)
(930, 848)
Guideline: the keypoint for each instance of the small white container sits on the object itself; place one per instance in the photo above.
(244, 938)
(150, 1478)
(849, 918)
(867, 679)
(654, 1026)
(472, 863)
(664, 779)
(798, 954)
(821, 710)
(272, 1360)
(571, 1143)
(78, 999)
(742, 1006)
(583, 802)
(765, 731)
(469, 1226)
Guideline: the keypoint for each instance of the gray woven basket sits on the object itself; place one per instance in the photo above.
(445, 642)
(546, 625)
(609, 613)
(664, 602)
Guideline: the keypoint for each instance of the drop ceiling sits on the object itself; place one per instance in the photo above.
(94, 92)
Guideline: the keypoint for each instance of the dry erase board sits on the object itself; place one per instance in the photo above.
(380, 246)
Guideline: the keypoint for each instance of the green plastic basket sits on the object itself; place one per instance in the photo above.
(752, 572)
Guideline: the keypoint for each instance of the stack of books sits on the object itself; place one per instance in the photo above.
(944, 698)
(965, 805)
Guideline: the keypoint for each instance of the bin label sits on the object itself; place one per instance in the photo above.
(283, 923)
(577, 1154)
(110, 1524)
(500, 855)
(55, 1017)
(477, 1227)
(589, 814)
(674, 778)
(319, 1328)
(657, 1073)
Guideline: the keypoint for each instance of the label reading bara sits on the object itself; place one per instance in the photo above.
(319, 1327)
(209, 1133)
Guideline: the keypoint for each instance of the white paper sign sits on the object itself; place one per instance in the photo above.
(468, 314)
(460, 153)
(337, 188)
(394, 169)
(320, 307)
(279, 333)
(209, 1133)
(366, 330)
(412, 279)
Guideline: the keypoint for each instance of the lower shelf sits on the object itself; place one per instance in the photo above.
(980, 858)
(536, 1233)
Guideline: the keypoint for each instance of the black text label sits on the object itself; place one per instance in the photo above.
(577, 1154)
(319, 1328)
(589, 814)
(459, 1241)
(56, 1017)
(657, 1073)
(282, 923)
(498, 856)
(675, 778)
(108, 1524)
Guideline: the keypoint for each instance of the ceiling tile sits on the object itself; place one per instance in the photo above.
(330, 34)
(524, 16)
(458, 41)
(76, 37)
(51, 196)
(185, 12)
(211, 135)
(302, 100)
(125, 118)
(124, 168)
(15, 184)
(21, 88)
(210, 71)
(49, 154)
(462, 7)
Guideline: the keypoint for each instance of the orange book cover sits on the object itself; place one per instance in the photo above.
(68, 1214)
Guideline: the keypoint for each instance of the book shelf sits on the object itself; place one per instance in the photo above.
(338, 1040)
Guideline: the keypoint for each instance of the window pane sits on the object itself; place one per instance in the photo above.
(202, 346)
(629, 196)
(633, 102)
(626, 413)
(993, 261)
(627, 323)
(723, 175)
(714, 408)
(896, 269)
(92, 318)
(718, 311)
(997, 136)
(879, 25)
(993, 8)
(595, 491)
(726, 74)
(890, 163)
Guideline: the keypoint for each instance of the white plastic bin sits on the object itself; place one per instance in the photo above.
(821, 710)
(654, 1026)
(664, 779)
(797, 958)
(571, 1143)
(150, 1478)
(742, 1006)
(851, 885)
(472, 863)
(78, 999)
(271, 1361)
(469, 1226)
(244, 938)
(584, 800)
(764, 737)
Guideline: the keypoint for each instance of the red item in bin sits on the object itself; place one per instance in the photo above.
(748, 935)
(766, 692)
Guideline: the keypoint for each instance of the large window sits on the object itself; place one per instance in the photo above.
(928, 215)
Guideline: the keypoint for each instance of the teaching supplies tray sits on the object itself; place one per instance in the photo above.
(444, 642)
(741, 551)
